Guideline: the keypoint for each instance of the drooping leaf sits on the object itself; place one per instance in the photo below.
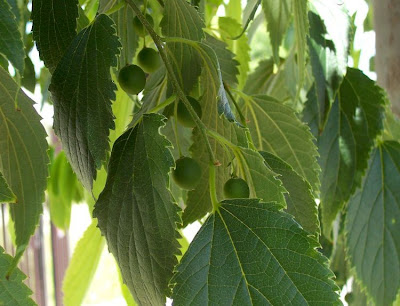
(299, 198)
(301, 26)
(354, 121)
(83, 265)
(29, 77)
(276, 129)
(11, 45)
(182, 20)
(136, 212)
(54, 28)
(251, 253)
(82, 91)
(13, 291)
(23, 158)
(6, 195)
(278, 15)
(372, 225)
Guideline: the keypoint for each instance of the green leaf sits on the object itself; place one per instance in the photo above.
(300, 9)
(372, 225)
(23, 158)
(278, 15)
(6, 195)
(251, 253)
(10, 38)
(299, 198)
(182, 20)
(276, 129)
(231, 28)
(13, 291)
(29, 78)
(354, 121)
(82, 91)
(125, 291)
(54, 28)
(136, 211)
(83, 265)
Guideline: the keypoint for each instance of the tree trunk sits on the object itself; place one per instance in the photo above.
(387, 59)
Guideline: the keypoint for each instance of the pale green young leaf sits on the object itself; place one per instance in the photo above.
(231, 28)
(278, 16)
(83, 265)
(11, 45)
(82, 92)
(23, 158)
(354, 121)
(13, 291)
(6, 195)
(54, 28)
(300, 10)
(299, 198)
(137, 213)
(246, 245)
(276, 129)
(372, 225)
(182, 20)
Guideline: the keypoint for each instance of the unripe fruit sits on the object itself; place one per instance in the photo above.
(236, 188)
(132, 79)
(349, 298)
(148, 59)
(184, 116)
(187, 173)
(138, 26)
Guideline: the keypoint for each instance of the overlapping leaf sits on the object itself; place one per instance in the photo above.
(136, 212)
(10, 38)
(300, 9)
(372, 225)
(13, 291)
(276, 129)
(356, 118)
(54, 28)
(182, 20)
(278, 15)
(6, 195)
(251, 253)
(299, 199)
(23, 157)
(82, 91)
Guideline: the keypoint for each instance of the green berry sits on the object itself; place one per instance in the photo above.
(132, 79)
(138, 26)
(187, 173)
(236, 188)
(149, 60)
(184, 116)
(349, 298)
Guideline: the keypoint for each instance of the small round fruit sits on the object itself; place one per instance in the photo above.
(187, 173)
(138, 26)
(184, 116)
(149, 60)
(132, 79)
(349, 297)
(236, 188)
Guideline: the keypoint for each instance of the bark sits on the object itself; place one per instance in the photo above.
(387, 59)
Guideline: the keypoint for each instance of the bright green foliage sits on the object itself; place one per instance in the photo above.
(83, 265)
(132, 79)
(299, 198)
(276, 129)
(90, 55)
(187, 173)
(182, 20)
(372, 225)
(136, 212)
(234, 256)
(138, 26)
(13, 291)
(23, 158)
(10, 38)
(277, 14)
(6, 195)
(354, 121)
(184, 117)
(236, 188)
(54, 28)
(149, 59)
